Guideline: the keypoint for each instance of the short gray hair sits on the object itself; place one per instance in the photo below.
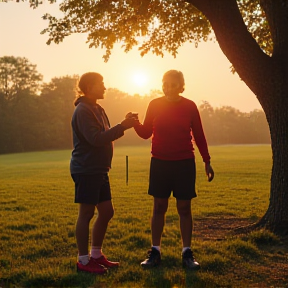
(175, 74)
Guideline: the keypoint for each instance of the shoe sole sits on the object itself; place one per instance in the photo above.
(106, 266)
(112, 267)
(150, 266)
(193, 269)
(90, 272)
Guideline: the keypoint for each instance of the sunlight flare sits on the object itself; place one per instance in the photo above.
(139, 79)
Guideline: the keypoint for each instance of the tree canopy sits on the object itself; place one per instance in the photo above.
(153, 25)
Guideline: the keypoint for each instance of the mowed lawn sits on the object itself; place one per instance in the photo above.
(38, 214)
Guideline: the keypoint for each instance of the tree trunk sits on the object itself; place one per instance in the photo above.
(267, 77)
(276, 217)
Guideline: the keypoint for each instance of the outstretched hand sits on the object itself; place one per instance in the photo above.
(128, 123)
(209, 172)
(132, 115)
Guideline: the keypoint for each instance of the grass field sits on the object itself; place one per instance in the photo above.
(37, 223)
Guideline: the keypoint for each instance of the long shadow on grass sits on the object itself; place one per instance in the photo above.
(169, 274)
(157, 279)
(162, 277)
(81, 280)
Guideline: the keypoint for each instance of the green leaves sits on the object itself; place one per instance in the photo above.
(153, 25)
(257, 24)
(18, 74)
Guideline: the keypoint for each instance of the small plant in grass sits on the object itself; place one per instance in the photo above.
(263, 237)
(216, 263)
(244, 249)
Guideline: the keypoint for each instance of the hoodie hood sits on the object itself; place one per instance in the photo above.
(85, 100)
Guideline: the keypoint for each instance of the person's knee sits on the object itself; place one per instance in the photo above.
(184, 211)
(106, 212)
(106, 216)
(86, 215)
(185, 214)
(160, 208)
(110, 214)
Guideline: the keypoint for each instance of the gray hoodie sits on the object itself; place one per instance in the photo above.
(92, 138)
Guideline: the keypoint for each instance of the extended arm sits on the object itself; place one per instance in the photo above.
(92, 131)
(145, 130)
(201, 143)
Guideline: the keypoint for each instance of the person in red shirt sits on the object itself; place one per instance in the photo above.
(173, 121)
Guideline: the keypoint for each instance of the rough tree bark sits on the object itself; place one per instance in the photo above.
(267, 77)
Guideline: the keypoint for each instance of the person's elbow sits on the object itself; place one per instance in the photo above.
(146, 136)
(143, 135)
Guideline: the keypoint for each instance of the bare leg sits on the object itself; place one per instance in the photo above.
(185, 214)
(86, 213)
(158, 219)
(105, 213)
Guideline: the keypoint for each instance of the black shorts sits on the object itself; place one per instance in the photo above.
(91, 189)
(177, 176)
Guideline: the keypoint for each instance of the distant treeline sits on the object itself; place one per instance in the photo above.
(29, 122)
(34, 118)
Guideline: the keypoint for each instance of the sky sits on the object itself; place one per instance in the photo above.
(206, 69)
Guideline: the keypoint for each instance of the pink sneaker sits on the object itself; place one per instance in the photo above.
(105, 262)
(91, 267)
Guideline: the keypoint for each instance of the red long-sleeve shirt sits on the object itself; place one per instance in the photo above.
(172, 125)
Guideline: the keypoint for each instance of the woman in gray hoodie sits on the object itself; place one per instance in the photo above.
(90, 163)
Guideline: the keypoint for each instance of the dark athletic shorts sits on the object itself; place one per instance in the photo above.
(91, 189)
(177, 176)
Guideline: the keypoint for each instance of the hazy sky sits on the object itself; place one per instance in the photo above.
(206, 69)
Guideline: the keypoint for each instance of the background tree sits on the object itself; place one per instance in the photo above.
(17, 74)
(19, 83)
(28, 121)
(252, 34)
(227, 125)
(57, 107)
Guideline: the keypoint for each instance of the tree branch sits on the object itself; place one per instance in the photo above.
(236, 41)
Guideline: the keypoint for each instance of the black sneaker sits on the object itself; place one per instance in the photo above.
(154, 259)
(189, 261)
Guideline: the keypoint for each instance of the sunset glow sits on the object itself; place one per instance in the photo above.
(140, 79)
(206, 69)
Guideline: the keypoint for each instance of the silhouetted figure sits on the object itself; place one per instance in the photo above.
(171, 120)
(90, 163)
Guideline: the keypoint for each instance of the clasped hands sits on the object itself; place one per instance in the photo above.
(131, 119)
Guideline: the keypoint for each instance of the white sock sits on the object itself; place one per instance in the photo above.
(83, 259)
(184, 249)
(156, 247)
(96, 252)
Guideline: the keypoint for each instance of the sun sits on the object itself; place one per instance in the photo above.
(140, 79)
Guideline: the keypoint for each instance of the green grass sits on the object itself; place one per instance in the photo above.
(38, 215)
